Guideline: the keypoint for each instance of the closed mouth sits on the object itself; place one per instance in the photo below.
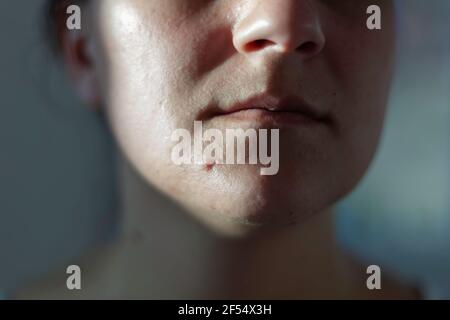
(265, 107)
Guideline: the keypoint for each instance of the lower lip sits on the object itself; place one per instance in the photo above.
(270, 117)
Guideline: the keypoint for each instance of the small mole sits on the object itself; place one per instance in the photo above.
(209, 166)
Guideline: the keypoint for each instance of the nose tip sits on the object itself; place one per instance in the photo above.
(284, 26)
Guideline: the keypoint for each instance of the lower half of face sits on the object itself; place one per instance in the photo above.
(172, 65)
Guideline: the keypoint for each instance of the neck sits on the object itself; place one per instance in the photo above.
(163, 252)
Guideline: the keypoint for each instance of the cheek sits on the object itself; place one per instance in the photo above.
(361, 63)
(143, 78)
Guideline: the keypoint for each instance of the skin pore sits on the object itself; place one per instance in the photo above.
(227, 232)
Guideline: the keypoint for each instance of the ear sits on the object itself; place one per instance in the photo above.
(78, 53)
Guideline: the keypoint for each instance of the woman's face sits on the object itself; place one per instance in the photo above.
(161, 65)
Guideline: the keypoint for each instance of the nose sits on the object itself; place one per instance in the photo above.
(280, 25)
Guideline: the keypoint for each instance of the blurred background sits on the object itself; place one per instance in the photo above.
(400, 214)
(56, 174)
(57, 189)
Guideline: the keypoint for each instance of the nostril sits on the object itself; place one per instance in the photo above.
(306, 48)
(257, 45)
(309, 47)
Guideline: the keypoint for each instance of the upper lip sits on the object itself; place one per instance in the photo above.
(293, 104)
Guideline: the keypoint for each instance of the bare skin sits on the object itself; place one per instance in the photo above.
(226, 231)
(162, 254)
(154, 68)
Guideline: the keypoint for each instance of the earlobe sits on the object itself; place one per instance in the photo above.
(87, 89)
(79, 61)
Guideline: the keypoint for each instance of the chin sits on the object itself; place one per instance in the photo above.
(242, 197)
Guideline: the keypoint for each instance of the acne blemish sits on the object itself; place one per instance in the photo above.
(208, 167)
